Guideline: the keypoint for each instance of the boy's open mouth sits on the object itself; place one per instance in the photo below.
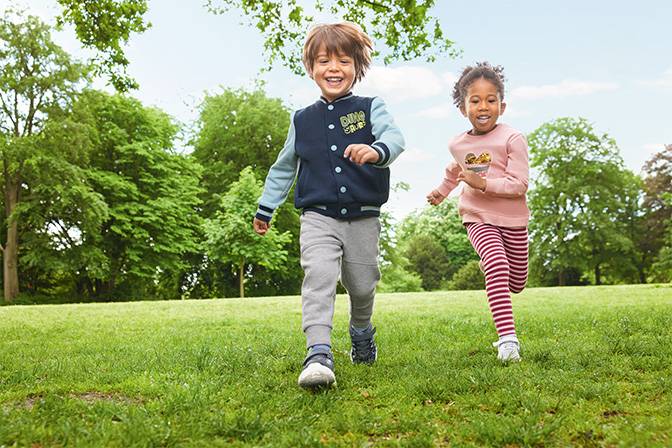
(333, 80)
(483, 119)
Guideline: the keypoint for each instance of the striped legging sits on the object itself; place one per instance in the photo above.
(503, 252)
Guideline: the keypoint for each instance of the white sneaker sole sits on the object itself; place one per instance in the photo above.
(316, 375)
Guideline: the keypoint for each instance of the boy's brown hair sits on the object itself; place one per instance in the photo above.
(344, 38)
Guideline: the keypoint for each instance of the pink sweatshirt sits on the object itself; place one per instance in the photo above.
(501, 157)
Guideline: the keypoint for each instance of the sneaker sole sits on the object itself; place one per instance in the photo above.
(316, 375)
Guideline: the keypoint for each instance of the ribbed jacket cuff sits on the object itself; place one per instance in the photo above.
(264, 213)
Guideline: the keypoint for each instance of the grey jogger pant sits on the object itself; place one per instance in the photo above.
(329, 248)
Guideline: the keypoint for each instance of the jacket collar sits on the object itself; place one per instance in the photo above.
(340, 98)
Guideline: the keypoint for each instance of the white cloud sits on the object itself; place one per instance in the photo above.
(441, 111)
(564, 88)
(665, 81)
(415, 155)
(403, 83)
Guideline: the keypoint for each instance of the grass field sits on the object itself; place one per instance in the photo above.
(596, 371)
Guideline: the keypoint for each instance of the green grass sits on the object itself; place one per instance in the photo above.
(596, 371)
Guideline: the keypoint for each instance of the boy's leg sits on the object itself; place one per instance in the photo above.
(321, 252)
(487, 240)
(516, 246)
(360, 273)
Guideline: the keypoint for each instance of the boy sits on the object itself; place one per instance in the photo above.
(341, 147)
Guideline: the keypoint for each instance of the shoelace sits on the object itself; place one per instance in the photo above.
(362, 348)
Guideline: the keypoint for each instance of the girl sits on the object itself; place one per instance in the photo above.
(491, 159)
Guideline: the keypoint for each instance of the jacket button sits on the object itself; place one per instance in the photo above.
(330, 107)
(337, 169)
(343, 189)
(344, 211)
(334, 147)
(331, 126)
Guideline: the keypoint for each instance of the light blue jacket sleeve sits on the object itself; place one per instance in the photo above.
(280, 177)
(389, 140)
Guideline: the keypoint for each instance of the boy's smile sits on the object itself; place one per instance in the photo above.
(482, 106)
(334, 74)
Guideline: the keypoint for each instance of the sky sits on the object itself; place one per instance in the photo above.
(607, 61)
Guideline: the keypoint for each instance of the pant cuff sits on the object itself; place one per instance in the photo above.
(317, 334)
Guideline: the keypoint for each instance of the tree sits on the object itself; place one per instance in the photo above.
(231, 238)
(581, 201)
(239, 128)
(657, 173)
(37, 77)
(428, 258)
(443, 225)
(151, 194)
(406, 28)
(661, 270)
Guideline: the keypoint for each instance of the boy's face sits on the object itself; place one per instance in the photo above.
(334, 74)
(482, 106)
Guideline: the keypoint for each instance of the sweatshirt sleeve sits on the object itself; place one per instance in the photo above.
(389, 140)
(280, 177)
(450, 180)
(514, 182)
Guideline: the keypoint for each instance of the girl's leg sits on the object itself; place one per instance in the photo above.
(487, 240)
(516, 246)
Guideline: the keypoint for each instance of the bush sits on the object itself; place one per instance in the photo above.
(398, 279)
(468, 276)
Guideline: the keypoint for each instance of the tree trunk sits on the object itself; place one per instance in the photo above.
(561, 278)
(10, 253)
(598, 275)
(241, 271)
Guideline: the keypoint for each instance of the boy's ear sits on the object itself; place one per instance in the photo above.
(463, 110)
(502, 108)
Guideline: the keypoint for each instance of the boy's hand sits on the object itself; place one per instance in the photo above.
(473, 179)
(361, 154)
(261, 227)
(435, 197)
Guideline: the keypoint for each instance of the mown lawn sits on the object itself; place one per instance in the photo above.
(596, 371)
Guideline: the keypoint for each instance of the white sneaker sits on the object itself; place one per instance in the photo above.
(318, 371)
(508, 348)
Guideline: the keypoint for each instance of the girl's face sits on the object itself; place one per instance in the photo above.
(334, 74)
(482, 106)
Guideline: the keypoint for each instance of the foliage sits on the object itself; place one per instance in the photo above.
(583, 202)
(37, 79)
(406, 28)
(657, 174)
(661, 271)
(443, 226)
(397, 278)
(427, 257)
(105, 26)
(151, 194)
(467, 277)
(231, 238)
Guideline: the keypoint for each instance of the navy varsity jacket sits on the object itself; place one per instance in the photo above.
(327, 182)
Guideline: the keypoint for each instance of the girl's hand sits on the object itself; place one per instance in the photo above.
(473, 179)
(361, 154)
(261, 227)
(435, 197)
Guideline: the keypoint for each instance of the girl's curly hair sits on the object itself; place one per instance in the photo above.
(494, 74)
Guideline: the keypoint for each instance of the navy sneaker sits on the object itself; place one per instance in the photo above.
(318, 370)
(364, 349)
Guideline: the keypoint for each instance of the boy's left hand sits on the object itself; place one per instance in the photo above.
(361, 154)
(473, 179)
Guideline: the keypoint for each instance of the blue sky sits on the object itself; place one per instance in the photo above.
(607, 61)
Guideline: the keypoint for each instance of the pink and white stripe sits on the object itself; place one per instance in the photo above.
(504, 257)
